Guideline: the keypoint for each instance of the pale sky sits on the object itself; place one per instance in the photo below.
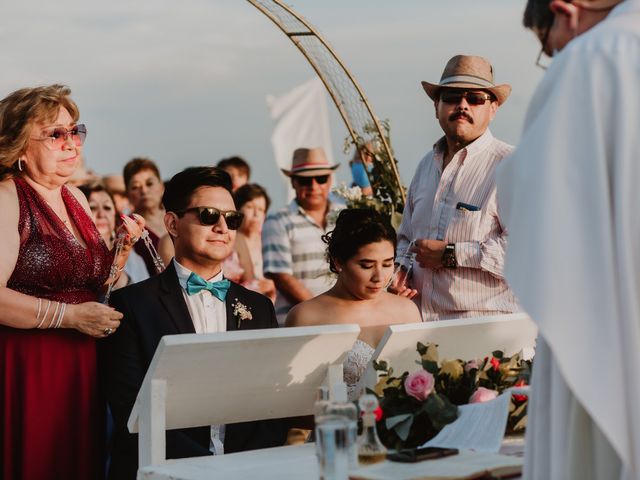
(185, 82)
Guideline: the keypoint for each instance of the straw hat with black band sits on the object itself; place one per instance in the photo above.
(468, 72)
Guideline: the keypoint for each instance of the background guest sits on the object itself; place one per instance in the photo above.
(361, 164)
(114, 184)
(144, 190)
(103, 212)
(53, 265)
(253, 202)
(238, 169)
(361, 251)
(292, 246)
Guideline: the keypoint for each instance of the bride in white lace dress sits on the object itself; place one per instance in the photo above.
(361, 251)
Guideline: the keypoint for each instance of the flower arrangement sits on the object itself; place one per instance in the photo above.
(416, 406)
(387, 197)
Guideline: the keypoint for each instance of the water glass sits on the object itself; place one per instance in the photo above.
(332, 448)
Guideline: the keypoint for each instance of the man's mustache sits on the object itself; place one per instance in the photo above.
(456, 115)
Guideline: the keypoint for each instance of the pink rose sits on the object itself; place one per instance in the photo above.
(419, 384)
(482, 395)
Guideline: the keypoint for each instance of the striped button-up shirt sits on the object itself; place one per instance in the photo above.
(476, 286)
(292, 244)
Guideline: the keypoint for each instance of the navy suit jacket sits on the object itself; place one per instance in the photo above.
(152, 309)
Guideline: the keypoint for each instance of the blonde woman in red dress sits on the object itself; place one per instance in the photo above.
(53, 266)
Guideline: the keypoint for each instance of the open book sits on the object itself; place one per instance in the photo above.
(467, 465)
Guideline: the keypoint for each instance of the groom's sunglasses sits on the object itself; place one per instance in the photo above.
(211, 216)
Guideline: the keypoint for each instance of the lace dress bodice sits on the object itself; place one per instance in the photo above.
(355, 365)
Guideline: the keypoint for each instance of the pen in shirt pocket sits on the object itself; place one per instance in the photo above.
(466, 207)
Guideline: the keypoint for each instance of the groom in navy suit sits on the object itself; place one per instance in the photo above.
(190, 296)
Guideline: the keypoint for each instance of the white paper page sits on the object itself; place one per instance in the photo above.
(479, 427)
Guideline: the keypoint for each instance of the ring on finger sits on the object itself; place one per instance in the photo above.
(107, 331)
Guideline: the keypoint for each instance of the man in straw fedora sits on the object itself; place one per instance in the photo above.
(292, 248)
(451, 216)
(570, 196)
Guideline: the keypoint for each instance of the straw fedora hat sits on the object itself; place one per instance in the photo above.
(468, 71)
(309, 162)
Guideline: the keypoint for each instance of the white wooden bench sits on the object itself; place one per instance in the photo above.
(197, 380)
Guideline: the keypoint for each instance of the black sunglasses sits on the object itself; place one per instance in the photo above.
(473, 98)
(306, 181)
(211, 216)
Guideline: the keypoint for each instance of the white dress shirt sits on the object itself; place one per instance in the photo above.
(477, 287)
(209, 315)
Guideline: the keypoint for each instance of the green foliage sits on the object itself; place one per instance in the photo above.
(388, 192)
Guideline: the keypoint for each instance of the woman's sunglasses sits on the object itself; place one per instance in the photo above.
(211, 216)
(473, 98)
(56, 137)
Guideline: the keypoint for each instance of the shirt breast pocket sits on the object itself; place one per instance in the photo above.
(464, 226)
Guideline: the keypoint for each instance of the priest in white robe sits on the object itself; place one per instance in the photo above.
(571, 200)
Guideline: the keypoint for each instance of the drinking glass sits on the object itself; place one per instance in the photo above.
(332, 448)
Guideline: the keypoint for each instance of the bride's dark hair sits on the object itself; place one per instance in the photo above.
(355, 228)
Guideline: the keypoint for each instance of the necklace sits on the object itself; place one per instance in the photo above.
(66, 222)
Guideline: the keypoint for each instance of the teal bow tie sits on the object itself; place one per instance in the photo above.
(196, 283)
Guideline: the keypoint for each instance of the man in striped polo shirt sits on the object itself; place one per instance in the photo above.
(451, 214)
(292, 248)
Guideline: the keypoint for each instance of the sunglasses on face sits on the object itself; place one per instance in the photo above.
(56, 137)
(473, 98)
(307, 181)
(211, 216)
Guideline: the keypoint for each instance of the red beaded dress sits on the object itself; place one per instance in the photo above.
(51, 414)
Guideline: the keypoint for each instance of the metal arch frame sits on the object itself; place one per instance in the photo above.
(339, 106)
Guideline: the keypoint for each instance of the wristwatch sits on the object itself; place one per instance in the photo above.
(449, 256)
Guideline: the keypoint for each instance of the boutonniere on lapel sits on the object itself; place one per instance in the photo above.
(241, 312)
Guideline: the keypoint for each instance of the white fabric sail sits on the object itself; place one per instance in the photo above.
(302, 121)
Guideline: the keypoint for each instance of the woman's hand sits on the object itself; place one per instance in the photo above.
(267, 288)
(400, 284)
(92, 318)
(132, 228)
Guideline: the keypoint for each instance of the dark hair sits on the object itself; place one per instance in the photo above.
(95, 187)
(235, 162)
(179, 190)
(537, 14)
(89, 188)
(137, 165)
(355, 228)
(248, 192)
